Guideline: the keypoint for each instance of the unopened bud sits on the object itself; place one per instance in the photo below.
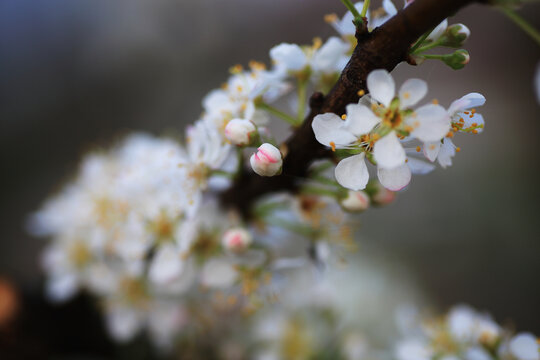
(356, 201)
(457, 60)
(236, 240)
(381, 195)
(267, 161)
(456, 35)
(240, 132)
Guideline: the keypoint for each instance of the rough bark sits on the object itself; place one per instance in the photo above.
(384, 48)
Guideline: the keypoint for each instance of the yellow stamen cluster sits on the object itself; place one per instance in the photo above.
(330, 18)
(236, 69)
(256, 65)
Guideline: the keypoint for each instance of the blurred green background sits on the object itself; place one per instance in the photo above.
(78, 74)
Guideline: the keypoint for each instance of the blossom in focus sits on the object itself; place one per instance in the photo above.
(464, 119)
(376, 131)
(267, 161)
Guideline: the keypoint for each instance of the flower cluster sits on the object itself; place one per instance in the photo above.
(140, 225)
(462, 334)
(382, 125)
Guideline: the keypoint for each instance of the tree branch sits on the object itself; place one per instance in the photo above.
(384, 48)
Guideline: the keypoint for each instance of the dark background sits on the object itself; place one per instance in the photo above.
(77, 74)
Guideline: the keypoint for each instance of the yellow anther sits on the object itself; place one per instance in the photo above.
(455, 128)
(475, 131)
(375, 137)
(466, 112)
(406, 95)
(435, 101)
(256, 65)
(450, 134)
(406, 160)
(418, 149)
(474, 124)
(361, 92)
(239, 88)
(317, 43)
(458, 149)
(344, 117)
(236, 69)
(330, 18)
(473, 111)
(333, 145)
(461, 120)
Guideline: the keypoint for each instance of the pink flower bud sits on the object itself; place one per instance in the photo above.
(236, 240)
(356, 201)
(240, 132)
(382, 195)
(267, 161)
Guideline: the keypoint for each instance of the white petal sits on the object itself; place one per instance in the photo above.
(167, 265)
(123, 323)
(360, 119)
(447, 151)
(62, 287)
(329, 128)
(389, 152)
(438, 31)
(419, 167)
(411, 92)
(524, 347)
(288, 56)
(429, 123)
(327, 58)
(352, 172)
(476, 118)
(381, 86)
(394, 179)
(389, 7)
(218, 273)
(431, 150)
(468, 101)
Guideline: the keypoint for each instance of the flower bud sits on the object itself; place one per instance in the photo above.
(381, 195)
(457, 60)
(236, 240)
(456, 35)
(267, 160)
(356, 201)
(240, 132)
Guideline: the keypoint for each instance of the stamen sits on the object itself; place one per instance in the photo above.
(361, 92)
(333, 146)
(418, 149)
(330, 18)
(435, 101)
(344, 117)
(458, 149)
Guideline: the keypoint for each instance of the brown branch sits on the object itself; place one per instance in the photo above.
(384, 48)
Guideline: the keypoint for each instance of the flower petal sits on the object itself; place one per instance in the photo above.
(466, 102)
(326, 59)
(329, 128)
(431, 150)
(288, 56)
(389, 152)
(381, 86)
(411, 92)
(419, 167)
(438, 31)
(394, 179)
(448, 150)
(352, 172)
(360, 119)
(429, 123)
